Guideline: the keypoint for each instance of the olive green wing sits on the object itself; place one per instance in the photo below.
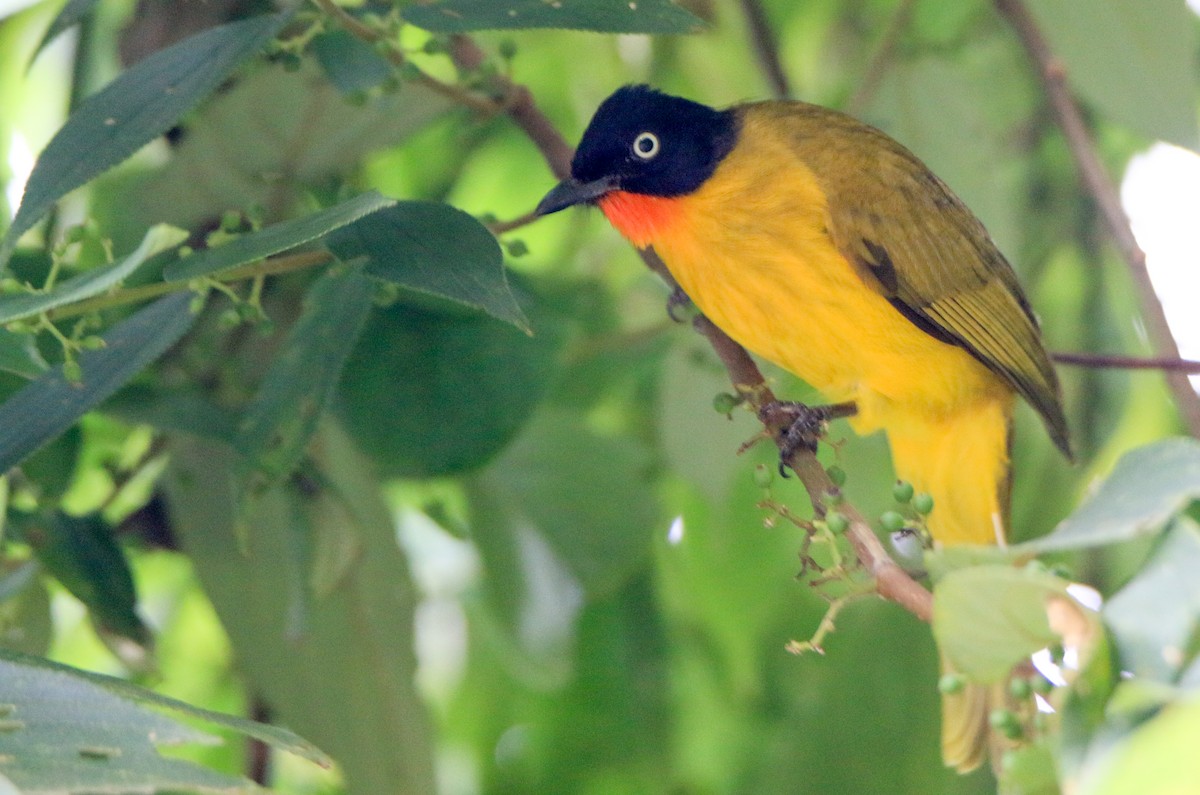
(916, 243)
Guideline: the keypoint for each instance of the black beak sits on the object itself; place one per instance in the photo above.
(571, 191)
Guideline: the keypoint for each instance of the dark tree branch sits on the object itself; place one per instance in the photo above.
(766, 48)
(1104, 193)
(1111, 361)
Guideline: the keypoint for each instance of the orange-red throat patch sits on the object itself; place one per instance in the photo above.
(638, 217)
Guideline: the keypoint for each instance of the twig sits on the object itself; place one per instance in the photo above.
(1112, 361)
(518, 103)
(766, 48)
(885, 50)
(1097, 181)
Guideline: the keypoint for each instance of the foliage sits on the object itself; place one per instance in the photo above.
(261, 321)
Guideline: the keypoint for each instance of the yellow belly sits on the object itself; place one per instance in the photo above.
(760, 264)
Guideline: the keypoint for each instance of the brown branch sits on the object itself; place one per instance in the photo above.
(766, 48)
(891, 581)
(1104, 193)
(518, 103)
(1112, 361)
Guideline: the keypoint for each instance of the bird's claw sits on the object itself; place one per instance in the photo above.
(802, 426)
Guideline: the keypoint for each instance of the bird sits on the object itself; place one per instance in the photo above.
(821, 244)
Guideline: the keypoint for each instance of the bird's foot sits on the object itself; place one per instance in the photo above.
(802, 425)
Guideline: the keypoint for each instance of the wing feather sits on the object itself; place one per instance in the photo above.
(916, 243)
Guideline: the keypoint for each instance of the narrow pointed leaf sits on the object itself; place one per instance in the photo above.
(82, 553)
(275, 238)
(160, 238)
(297, 388)
(19, 355)
(436, 249)
(133, 110)
(71, 15)
(605, 16)
(1146, 488)
(1154, 617)
(48, 406)
(70, 731)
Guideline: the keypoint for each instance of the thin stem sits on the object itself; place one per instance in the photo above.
(766, 48)
(1112, 361)
(133, 295)
(1104, 193)
(885, 51)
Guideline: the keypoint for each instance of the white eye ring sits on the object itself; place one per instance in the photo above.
(646, 145)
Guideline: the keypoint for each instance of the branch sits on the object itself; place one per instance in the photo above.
(765, 47)
(1100, 185)
(1111, 361)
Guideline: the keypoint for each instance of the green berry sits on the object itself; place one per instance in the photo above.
(230, 318)
(92, 343)
(433, 47)
(72, 371)
(508, 49)
(951, 684)
(1020, 688)
(1007, 723)
(1061, 571)
(902, 491)
(763, 476)
(231, 220)
(836, 522)
(837, 475)
(834, 496)
(922, 503)
(516, 248)
(891, 521)
(725, 403)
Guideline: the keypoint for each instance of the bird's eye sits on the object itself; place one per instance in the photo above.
(646, 145)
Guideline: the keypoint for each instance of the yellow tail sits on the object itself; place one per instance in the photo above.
(961, 459)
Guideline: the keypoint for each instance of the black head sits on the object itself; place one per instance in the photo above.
(647, 142)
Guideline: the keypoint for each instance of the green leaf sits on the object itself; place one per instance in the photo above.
(19, 355)
(351, 64)
(69, 731)
(986, 619)
(1134, 61)
(133, 110)
(1159, 758)
(81, 552)
(587, 495)
(274, 238)
(314, 137)
(347, 680)
(70, 15)
(431, 393)
(435, 249)
(300, 382)
(1154, 618)
(158, 239)
(51, 404)
(604, 16)
(1146, 488)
